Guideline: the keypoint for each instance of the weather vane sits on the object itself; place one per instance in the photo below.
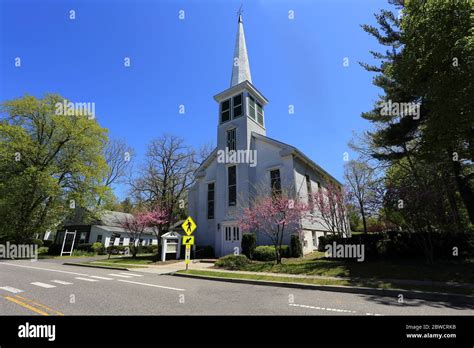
(240, 10)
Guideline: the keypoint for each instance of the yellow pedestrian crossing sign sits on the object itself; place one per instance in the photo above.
(189, 225)
(188, 240)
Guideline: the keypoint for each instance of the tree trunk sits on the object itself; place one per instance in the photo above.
(467, 195)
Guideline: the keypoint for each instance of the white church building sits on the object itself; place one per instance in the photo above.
(220, 186)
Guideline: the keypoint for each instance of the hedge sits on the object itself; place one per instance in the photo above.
(406, 245)
(267, 252)
(249, 243)
(296, 247)
(232, 262)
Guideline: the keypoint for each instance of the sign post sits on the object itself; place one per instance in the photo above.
(188, 226)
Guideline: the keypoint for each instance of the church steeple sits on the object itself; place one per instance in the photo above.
(240, 64)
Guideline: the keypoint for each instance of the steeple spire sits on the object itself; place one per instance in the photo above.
(240, 66)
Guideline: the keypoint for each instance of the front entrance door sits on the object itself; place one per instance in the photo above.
(231, 237)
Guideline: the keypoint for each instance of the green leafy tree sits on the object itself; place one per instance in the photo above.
(49, 164)
(429, 65)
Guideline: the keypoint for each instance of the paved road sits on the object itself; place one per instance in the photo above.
(39, 288)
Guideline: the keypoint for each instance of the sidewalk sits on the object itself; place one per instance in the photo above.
(173, 267)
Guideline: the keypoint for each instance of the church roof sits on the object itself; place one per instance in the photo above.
(240, 63)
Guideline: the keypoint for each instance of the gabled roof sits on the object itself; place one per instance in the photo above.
(291, 150)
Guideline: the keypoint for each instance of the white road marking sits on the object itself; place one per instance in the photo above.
(153, 285)
(133, 274)
(43, 285)
(42, 269)
(120, 275)
(103, 278)
(61, 282)
(323, 308)
(11, 289)
(86, 279)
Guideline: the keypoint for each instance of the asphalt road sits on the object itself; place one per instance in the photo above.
(40, 288)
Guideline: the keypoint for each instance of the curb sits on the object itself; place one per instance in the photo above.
(412, 294)
(94, 266)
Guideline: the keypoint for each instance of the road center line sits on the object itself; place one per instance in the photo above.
(103, 278)
(120, 275)
(132, 274)
(153, 285)
(26, 305)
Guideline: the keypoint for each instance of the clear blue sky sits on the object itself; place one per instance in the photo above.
(187, 62)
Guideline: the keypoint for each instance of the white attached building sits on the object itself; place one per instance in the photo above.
(102, 229)
(219, 187)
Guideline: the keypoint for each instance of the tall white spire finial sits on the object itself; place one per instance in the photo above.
(240, 66)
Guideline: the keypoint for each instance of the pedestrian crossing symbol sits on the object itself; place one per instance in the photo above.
(188, 240)
(189, 226)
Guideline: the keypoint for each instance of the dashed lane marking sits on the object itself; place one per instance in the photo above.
(120, 275)
(43, 285)
(323, 308)
(152, 285)
(43, 269)
(61, 282)
(103, 278)
(133, 274)
(11, 289)
(86, 279)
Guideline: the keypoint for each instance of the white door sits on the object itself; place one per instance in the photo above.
(231, 237)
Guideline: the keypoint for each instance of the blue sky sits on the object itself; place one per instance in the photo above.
(174, 62)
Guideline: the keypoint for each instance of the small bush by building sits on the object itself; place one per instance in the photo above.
(232, 262)
(249, 243)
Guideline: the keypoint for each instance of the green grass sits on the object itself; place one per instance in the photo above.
(315, 264)
(360, 283)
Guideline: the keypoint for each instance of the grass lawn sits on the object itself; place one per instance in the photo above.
(315, 264)
(369, 284)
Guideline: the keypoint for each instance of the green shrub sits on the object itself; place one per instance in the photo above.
(233, 262)
(296, 246)
(43, 250)
(84, 247)
(38, 242)
(249, 243)
(77, 252)
(116, 249)
(267, 252)
(98, 248)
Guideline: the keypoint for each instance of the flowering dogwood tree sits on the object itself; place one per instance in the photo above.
(275, 216)
(330, 208)
(157, 219)
(135, 227)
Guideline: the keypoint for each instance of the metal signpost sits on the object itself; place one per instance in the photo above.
(188, 226)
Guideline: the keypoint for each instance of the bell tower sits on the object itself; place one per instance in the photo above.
(241, 106)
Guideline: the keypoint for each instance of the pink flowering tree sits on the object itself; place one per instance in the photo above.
(329, 204)
(135, 226)
(157, 219)
(275, 216)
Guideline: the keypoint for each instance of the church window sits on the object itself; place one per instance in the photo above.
(225, 110)
(309, 192)
(259, 114)
(210, 200)
(232, 185)
(231, 140)
(237, 106)
(275, 182)
(251, 107)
